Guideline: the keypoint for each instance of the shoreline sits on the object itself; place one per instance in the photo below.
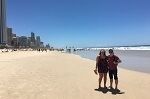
(118, 65)
(131, 60)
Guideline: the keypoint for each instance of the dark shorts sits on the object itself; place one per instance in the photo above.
(113, 73)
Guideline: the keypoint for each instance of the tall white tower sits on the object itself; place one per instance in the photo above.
(3, 29)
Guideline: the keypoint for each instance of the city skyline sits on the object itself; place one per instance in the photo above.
(24, 41)
(9, 39)
(83, 23)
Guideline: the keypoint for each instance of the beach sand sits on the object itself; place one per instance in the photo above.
(55, 75)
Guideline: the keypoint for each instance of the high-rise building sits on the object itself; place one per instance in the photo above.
(38, 40)
(32, 38)
(9, 36)
(15, 42)
(23, 41)
(41, 44)
(3, 29)
(29, 41)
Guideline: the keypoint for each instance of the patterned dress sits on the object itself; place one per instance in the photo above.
(102, 65)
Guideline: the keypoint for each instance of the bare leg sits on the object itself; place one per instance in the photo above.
(111, 82)
(100, 79)
(116, 82)
(105, 79)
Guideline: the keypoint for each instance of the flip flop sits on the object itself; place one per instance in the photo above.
(95, 71)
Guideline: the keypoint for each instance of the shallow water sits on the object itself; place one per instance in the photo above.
(137, 60)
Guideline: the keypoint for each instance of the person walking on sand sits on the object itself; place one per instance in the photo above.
(113, 62)
(102, 67)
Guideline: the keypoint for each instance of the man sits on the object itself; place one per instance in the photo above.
(113, 62)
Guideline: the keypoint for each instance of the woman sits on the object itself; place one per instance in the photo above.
(102, 67)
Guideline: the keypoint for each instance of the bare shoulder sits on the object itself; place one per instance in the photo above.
(97, 57)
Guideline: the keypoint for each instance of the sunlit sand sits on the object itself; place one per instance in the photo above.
(56, 75)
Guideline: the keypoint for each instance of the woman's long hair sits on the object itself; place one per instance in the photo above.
(102, 51)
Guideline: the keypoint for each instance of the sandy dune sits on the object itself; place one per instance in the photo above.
(54, 75)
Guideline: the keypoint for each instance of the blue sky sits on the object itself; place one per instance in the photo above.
(82, 23)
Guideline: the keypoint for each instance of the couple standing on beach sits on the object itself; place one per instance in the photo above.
(105, 64)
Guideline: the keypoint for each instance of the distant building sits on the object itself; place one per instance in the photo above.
(41, 44)
(32, 39)
(38, 40)
(32, 44)
(48, 46)
(29, 41)
(9, 36)
(23, 42)
(3, 28)
(15, 42)
(14, 35)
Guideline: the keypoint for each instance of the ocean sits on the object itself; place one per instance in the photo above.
(137, 60)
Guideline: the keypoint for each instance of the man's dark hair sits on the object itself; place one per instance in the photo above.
(111, 51)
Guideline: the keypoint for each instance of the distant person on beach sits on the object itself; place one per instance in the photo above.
(102, 67)
(113, 62)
